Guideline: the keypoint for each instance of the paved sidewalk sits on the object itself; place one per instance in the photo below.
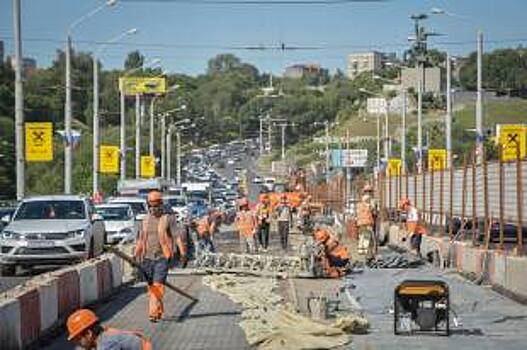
(210, 324)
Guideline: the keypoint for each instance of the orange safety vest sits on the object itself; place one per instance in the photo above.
(364, 215)
(147, 345)
(203, 227)
(245, 223)
(165, 238)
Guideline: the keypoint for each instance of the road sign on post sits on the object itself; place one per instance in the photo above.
(148, 167)
(437, 159)
(354, 158)
(109, 159)
(394, 167)
(39, 142)
(132, 86)
(376, 105)
(511, 136)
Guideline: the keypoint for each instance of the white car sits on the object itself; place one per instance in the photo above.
(257, 180)
(51, 230)
(178, 204)
(138, 204)
(119, 222)
(269, 183)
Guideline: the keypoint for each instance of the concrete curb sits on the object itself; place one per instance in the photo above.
(42, 304)
(506, 273)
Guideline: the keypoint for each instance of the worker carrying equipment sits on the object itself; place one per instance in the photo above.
(85, 330)
(246, 225)
(332, 256)
(414, 227)
(365, 223)
(154, 249)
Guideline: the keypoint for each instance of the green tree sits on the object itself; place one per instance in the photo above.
(134, 60)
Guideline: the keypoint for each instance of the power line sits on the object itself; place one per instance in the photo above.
(260, 2)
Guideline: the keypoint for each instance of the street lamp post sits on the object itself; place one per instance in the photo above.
(67, 103)
(137, 136)
(96, 137)
(19, 102)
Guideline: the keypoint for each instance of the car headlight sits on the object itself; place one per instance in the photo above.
(8, 234)
(77, 234)
(126, 231)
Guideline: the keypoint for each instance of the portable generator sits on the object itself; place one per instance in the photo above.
(421, 306)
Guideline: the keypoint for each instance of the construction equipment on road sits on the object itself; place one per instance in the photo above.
(140, 269)
(421, 306)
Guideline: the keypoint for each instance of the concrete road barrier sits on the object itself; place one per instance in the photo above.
(43, 303)
(497, 268)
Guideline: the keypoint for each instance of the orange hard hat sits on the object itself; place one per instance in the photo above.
(283, 197)
(243, 202)
(79, 321)
(367, 188)
(155, 198)
(404, 202)
(264, 198)
(321, 235)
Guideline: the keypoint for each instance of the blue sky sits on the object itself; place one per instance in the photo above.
(186, 35)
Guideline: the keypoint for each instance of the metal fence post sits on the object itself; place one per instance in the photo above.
(406, 184)
(431, 204)
(475, 226)
(441, 197)
(389, 179)
(486, 200)
(519, 201)
(415, 187)
(501, 193)
(451, 200)
(423, 173)
(463, 198)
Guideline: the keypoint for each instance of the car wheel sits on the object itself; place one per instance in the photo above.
(8, 270)
(91, 251)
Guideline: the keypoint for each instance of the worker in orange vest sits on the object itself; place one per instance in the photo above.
(263, 217)
(154, 249)
(414, 228)
(335, 257)
(246, 225)
(86, 331)
(365, 224)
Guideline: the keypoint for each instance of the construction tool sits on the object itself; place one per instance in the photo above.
(421, 306)
(143, 273)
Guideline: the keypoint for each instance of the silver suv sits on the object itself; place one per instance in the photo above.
(50, 230)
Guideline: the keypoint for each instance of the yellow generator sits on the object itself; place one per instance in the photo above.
(421, 307)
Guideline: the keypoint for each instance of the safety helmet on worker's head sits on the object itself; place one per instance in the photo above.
(154, 199)
(243, 202)
(283, 197)
(404, 202)
(80, 321)
(264, 198)
(321, 235)
(367, 188)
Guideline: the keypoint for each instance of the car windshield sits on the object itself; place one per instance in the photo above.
(114, 214)
(50, 210)
(138, 208)
(176, 202)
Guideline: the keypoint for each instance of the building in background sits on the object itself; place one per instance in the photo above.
(373, 61)
(29, 65)
(434, 79)
(315, 74)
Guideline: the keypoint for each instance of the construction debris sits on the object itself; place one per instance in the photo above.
(270, 323)
(395, 261)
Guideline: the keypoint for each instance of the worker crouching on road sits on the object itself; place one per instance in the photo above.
(284, 216)
(263, 217)
(414, 229)
(334, 257)
(246, 224)
(365, 222)
(86, 331)
(205, 229)
(154, 249)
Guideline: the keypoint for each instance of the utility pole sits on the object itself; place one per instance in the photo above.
(169, 152)
(151, 128)
(19, 102)
(137, 136)
(163, 145)
(283, 126)
(378, 142)
(448, 116)
(327, 147)
(261, 136)
(67, 120)
(403, 132)
(479, 102)
(269, 127)
(387, 141)
(178, 158)
(122, 132)
(96, 146)
(419, 127)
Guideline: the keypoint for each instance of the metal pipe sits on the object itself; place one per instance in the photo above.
(378, 143)
(403, 133)
(178, 158)
(19, 102)
(151, 128)
(419, 127)
(95, 156)
(283, 140)
(261, 136)
(448, 117)
(463, 196)
(163, 146)
(475, 225)
(169, 153)
(479, 101)
(501, 194)
(441, 198)
(486, 200)
(451, 200)
(67, 121)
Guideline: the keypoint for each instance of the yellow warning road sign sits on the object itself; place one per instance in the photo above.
(511, 136)
(148, 166)
(394, 167)
(437, 159)
(142, 85)
(39, 142)
(109, 159)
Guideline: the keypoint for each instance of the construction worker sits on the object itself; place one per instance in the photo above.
(334, 257)
(154, 249)
(365, 223)
(246, 224)
(86, 331)
(284, 216)
(414, 229)
(205, 228)
(263, 216)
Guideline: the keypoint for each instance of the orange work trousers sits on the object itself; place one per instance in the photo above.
(156, 291)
